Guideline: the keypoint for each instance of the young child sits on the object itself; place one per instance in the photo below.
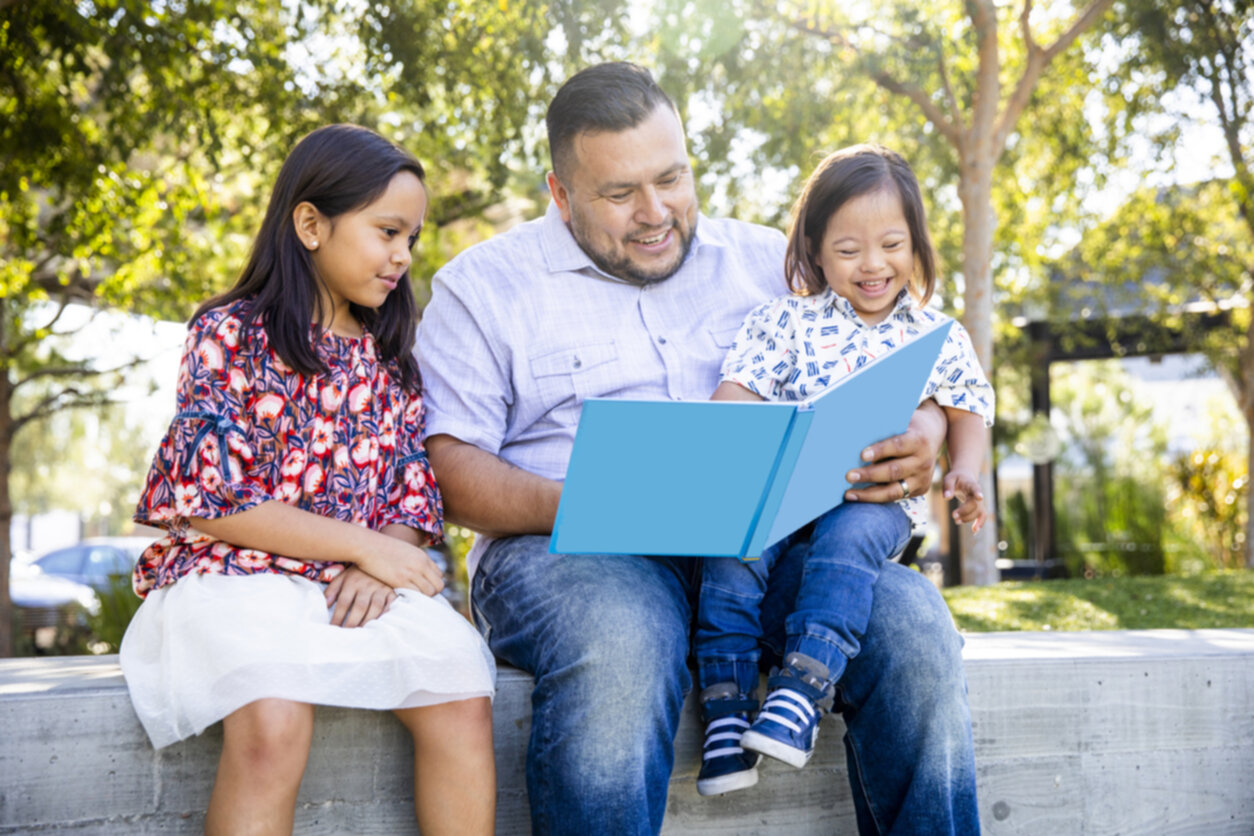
(861, 264)
(293, 481)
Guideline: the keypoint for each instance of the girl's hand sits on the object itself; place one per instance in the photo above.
(357, 598)
(966, 487)
(403, 566)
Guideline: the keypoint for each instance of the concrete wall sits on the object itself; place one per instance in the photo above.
(1076, 733)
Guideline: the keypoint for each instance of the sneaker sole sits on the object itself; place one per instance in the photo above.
(728, 783)
(772, 748)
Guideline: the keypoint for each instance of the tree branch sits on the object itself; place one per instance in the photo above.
(933, 113)
(64, 399)
(76, 371)
(987, 96)
(947, 127)
(1037, 59)
(945, 83)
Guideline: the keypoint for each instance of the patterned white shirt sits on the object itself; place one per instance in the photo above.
(793, 347)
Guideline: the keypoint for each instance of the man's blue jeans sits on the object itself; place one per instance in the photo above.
(606, 638)
(848, 547)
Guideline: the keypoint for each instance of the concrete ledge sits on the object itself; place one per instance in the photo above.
(1076, 733)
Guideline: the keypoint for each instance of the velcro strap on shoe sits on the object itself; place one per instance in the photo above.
(713, 709)
(818, 696)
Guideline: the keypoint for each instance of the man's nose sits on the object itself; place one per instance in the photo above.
(650, 210)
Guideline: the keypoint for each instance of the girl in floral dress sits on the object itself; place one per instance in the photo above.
(296, 497)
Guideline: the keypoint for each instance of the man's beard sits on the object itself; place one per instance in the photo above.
(623, 267)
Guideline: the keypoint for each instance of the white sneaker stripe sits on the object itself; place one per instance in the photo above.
(783, 721)
(722, 753)
(714, 738)
(726, 721)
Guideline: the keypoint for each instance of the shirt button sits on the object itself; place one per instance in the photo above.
(661, 340)
(577, 363)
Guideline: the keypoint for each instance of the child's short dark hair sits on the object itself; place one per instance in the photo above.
(610, 97)
(844, 175)
(338, 169)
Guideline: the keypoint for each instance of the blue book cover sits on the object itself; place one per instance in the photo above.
(728, 478)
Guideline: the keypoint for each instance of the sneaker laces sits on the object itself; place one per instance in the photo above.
(713, 736)
(796, 703)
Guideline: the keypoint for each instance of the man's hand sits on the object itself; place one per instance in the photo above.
(902, 466)
(357, 598)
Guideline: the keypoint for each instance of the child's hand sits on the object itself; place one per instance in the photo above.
(357, 598)
(966, 487)
(404, 566)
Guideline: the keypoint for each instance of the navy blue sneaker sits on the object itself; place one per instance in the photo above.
(725, 766)
(788, 725)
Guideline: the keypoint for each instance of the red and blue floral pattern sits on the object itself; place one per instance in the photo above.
(345, 444)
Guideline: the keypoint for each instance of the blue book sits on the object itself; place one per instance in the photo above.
(728, 478)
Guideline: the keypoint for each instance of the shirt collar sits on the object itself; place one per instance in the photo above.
(903, 309)
(563, 254)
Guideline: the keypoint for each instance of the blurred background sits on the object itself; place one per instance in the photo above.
(1086, 167)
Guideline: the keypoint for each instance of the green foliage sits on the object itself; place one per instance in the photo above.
(1208, 497)
(1188, 602)
(118, 605)
(1108, 490)
(1015, 527)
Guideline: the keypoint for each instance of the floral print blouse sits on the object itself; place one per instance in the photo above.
(344, 444)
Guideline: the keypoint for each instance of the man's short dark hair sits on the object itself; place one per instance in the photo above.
(610, 97)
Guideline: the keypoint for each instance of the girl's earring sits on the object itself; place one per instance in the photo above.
(313, 245)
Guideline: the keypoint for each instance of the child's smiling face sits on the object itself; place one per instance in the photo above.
(866, 254)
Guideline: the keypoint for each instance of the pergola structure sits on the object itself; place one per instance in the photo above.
(1113, 335)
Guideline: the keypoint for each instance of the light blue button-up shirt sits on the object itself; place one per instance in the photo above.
(522, 328)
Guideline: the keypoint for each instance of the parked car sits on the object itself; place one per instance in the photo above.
(94, 561)
(53, 594)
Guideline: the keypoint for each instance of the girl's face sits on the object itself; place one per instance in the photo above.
(362, 255)
(866, 254)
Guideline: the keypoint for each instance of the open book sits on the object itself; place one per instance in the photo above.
(728, 478)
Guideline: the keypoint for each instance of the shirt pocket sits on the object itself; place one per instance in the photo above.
(724, 337)
(566, 377)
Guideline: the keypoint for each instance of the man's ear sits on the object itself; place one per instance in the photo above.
(309, 223)
(560, 196)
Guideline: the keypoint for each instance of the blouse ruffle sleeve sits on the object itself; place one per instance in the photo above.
(203, 467)
(412, 497)
(761, 356)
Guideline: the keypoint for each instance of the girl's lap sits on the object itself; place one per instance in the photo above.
(209, 644)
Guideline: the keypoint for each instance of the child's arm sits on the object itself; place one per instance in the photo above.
(360, 597)
(282, 529)
(966, 441)
(728, 391)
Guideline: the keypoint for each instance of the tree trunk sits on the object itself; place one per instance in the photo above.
(975, 188)
(1244, 379)
(6, 515)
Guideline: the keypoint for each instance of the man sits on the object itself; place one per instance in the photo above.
(622, 290)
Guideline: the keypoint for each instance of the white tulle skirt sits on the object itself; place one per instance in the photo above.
(207, 645)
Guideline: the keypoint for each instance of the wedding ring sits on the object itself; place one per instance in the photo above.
(905, 489)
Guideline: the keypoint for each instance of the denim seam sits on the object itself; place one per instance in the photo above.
(862, 785)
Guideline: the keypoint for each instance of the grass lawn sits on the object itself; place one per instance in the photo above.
(1216, 599)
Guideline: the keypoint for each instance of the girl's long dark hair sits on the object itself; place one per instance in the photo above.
(337, 168)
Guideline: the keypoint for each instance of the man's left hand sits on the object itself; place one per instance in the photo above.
(902, 466)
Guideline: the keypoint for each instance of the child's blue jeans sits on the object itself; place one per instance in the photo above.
(847, 548)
